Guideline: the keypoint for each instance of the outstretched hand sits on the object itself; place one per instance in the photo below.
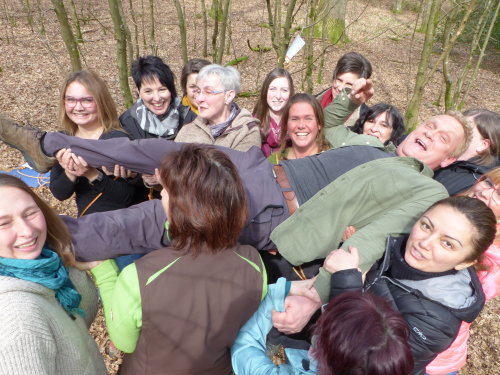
(339, 260)
(362, 91)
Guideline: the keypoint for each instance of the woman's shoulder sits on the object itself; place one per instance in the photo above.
(114, 133)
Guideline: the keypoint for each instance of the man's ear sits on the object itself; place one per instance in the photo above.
(447, 161)
(484, 145)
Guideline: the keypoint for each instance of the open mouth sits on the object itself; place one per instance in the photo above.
(421, 144)
(302, 134)
(27, 244)
(417, 254)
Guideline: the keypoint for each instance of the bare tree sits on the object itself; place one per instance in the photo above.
(205, 27)
(76, 22)
(182, 30)
(152, 39)
(121, 51)
(397, 6)
(67, 35)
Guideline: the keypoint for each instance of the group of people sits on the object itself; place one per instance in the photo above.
(354, 247)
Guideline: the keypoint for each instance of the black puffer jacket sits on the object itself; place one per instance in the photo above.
(433, 325)
(462, 174)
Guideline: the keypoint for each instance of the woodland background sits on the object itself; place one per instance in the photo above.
(427, 56)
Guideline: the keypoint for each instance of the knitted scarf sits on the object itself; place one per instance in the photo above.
(49, 271)
(218, 129)
(163, 126)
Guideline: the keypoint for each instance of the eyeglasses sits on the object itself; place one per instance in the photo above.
(207, 92)
(86, 102)
(488, 184)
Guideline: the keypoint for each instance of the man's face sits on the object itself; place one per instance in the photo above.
(434, 141)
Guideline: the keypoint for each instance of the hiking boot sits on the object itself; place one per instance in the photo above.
(28, 141)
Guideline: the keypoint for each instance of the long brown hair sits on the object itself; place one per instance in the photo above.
(261, 109)
(488, 126)
(58, 237)
(321, 140)
(106, 107)
(207, 201)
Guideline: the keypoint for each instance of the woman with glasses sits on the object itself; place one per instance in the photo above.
(487, 190)
(220, 121)
(87, 110)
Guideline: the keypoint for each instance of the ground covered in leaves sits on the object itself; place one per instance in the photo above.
(33, 65)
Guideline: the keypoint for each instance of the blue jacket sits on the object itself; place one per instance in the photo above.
(248, 353)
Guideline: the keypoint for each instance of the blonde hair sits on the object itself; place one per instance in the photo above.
(106, 107)
(467, 128)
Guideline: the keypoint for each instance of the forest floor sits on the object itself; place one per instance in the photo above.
(33, 66)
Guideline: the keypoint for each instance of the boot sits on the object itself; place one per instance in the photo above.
(28, 141)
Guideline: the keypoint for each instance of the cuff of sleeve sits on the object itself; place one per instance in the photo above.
(288, 286)
(322, 285)
(345, 281)
(106, 269)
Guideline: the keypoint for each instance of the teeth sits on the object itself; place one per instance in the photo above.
(302, 134)
(27, 244)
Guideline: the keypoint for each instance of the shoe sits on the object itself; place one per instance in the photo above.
(27, 140)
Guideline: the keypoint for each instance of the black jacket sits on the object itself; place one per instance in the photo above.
(462, 174)
(433, 325)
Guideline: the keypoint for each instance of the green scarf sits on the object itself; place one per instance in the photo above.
(47, 270)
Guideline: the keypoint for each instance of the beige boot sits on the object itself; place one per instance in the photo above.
(28, 141)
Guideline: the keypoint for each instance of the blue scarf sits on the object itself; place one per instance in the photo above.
(49, 271)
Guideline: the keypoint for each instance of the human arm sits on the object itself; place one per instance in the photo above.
(248, 353)
(121, 299)
(134, 230)
(60, 185)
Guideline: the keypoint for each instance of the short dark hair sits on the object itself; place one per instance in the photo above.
(395, 120)
(481, 218)
(353, 62)
(192, 66)
(151, 67)
(488, 125)
(322, 142)
(207, 201)
(360, 333)
(261, 109)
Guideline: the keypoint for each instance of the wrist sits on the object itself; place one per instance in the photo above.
(96, 177)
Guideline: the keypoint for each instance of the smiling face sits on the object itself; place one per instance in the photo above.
(486, 190)
(434, 141)
(191, 88)
(155, 95)
(343, 80)
(80, 106)
(379, 127)
(23, 230)
(278, 94)
(441, 240)
(303, 128)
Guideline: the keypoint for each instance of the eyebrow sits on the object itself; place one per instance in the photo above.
(446, 235)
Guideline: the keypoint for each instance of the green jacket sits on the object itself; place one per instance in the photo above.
(379, 198)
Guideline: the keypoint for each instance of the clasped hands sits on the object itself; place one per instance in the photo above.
(303, 300)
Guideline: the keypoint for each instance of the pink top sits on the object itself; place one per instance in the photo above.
(273, 140)
(453, 358)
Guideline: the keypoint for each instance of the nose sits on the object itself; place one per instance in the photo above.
(425, 243)
(79, 104)
(24, 228)
(156, 95)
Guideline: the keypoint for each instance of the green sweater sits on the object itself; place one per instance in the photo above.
(379, 198)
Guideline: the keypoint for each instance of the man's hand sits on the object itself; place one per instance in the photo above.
(339, 260)
(362, 91)
(298, 311)
(119, 171)
(349, 231)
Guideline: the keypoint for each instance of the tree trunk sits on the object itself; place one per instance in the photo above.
(128, 38)
(136, 28)
(121, 51)
(205, 28)
(29, 12)
(397, 6)
(182, 30)
(67, 35)
(152, 39)
(76, 22)
(413, 108)
(222, 36)
(215, 11)
(425, 9)
(285, 38)
(332, 14)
